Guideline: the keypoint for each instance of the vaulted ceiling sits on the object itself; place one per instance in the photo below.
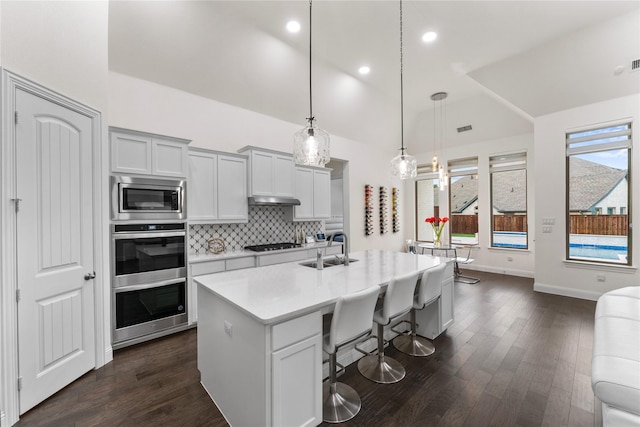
(503, 63)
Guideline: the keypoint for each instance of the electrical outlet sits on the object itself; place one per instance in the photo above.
(228, 328)
(509, 258)
(546, 229)
(601, 278)
(548, 221)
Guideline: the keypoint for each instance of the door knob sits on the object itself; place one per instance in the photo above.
(90, 276)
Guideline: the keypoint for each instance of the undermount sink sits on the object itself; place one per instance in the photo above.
(328, 262)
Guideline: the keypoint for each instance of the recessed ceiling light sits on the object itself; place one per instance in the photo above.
(293, 26)
(429, 36)
(364, 69)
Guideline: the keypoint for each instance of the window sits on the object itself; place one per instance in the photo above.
(463, 200)
(598, 166)
(509, 201)
(427, 204)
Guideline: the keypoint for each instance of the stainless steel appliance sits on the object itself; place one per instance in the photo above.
(149, 281)
(147, 199)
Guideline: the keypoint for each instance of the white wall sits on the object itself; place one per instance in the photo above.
(486, 258)
(150, 107)
(62, 46)
(553, 273)
(58, 44)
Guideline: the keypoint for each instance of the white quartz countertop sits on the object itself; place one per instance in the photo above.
(193, 258)
(278, 292)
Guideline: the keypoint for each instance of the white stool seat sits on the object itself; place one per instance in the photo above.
(429, 290)
(398, 300)
(352, 320)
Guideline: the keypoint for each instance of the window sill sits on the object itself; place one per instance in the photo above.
(514, 250)
(600, 266)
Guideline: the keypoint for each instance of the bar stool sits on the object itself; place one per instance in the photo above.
(429, 291)
(398, 300)
(352, 320)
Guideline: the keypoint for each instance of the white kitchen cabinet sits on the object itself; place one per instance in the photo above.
(217, 187)
(313, 189)
(140, 153)
(296, 364)
(271, 173)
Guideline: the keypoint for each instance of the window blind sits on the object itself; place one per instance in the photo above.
(611, 137)
(463, 167)
(508, 162)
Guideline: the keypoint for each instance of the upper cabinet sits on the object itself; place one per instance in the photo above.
(140, 153)
(217, 187)
(313, 189)
(271, 173)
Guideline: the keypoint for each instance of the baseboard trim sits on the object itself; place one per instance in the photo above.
(567, 292)
(499, 270)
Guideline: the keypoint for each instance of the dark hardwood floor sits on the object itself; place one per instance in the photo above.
(513, 357)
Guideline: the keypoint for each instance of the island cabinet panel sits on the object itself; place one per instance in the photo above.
(232, 361)
(296, 368)
(297, 365)
(140, 153)
(435, 318)
(248, 390)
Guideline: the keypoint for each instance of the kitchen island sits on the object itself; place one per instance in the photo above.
(260, 332)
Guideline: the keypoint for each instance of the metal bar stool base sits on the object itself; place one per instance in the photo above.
(340, 406)
(414, 345)
(466, 279)
(385, 370)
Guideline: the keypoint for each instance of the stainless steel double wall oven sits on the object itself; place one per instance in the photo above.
(149, 262)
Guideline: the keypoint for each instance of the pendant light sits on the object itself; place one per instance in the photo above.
(311, 144)
(443, 176)
(403, 165)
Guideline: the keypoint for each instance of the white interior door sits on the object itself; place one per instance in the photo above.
(54, 247)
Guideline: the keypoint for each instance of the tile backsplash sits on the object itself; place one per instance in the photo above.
(266, 225)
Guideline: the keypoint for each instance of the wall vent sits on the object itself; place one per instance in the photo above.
(635, 65)
(464, 128)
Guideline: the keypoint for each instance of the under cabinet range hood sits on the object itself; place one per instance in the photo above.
(273, 201)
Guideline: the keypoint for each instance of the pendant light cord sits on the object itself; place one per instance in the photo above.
(401, 89)
(311, 118)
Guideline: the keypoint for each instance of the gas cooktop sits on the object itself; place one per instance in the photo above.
(272, 247)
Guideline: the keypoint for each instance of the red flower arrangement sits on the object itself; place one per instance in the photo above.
(438, 225)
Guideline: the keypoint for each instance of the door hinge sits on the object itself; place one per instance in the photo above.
(17, 295)
(15, 117)
(19, 383)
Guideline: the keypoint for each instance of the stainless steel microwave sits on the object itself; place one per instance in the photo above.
(145, 199)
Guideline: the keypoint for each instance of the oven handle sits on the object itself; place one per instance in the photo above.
(149, 285)
(117, 236)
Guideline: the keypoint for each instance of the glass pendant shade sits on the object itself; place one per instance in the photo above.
(311, 146)
(404, 166)
(443, 177)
